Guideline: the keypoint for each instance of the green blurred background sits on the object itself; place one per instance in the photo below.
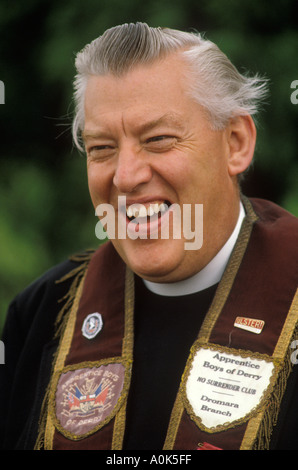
(45, 212)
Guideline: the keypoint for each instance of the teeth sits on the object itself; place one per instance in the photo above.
(142, 211)
(129, 211)
(155, 208)
(150, 211)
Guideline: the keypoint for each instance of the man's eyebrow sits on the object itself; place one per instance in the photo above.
(92, 134)
(169, 119)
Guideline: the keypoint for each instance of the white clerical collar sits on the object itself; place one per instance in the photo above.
(208, 276)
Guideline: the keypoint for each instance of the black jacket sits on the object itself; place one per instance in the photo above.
(29, 347)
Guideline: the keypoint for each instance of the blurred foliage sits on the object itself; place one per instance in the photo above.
(45, 209)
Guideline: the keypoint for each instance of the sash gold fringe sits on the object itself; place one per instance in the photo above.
(260, 428)
(270, 416)
(77, 274)
(127, 354)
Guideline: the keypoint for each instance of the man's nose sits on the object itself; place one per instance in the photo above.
(132, 170)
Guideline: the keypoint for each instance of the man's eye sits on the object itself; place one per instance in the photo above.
(159, 138)
(100, 151)
(161, 142)
(99, 148)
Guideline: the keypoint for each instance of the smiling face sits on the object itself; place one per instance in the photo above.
(147, 140)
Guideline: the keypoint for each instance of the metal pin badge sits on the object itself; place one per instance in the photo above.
(92, 325)
(249, 324)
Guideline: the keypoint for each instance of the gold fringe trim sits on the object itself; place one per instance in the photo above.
(127, 353)
(60, 326)
(77, 274)
(39, 444)
(174, 423)
(259, 429)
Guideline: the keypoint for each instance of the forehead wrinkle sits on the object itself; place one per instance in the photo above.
(123, 125)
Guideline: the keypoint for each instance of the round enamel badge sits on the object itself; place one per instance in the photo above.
(87, 398)
(92, 325)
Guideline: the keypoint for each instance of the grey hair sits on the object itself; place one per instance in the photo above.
(217, 84)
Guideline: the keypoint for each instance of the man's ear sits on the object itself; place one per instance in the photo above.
(242, 141)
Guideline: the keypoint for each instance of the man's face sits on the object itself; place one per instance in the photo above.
(146, 139)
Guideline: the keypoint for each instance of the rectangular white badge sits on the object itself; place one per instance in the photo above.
(249, 324)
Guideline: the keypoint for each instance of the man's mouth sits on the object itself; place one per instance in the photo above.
(143, 213)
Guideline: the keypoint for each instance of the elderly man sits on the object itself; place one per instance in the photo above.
(178, 332)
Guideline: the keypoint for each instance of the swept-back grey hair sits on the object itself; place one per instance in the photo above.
(216, 83)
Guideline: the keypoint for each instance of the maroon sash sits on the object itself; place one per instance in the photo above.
(86, 401)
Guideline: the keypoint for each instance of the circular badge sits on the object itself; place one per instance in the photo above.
(92, 325)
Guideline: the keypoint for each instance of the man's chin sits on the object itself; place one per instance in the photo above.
(155, 262)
